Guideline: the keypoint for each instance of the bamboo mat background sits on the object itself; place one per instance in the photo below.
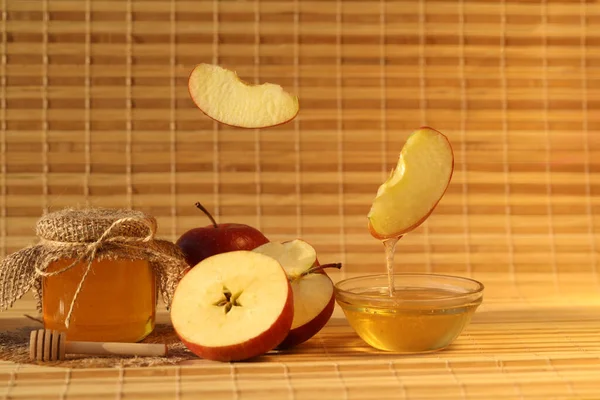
(95, 111)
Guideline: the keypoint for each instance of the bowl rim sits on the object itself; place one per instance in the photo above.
(474, 293)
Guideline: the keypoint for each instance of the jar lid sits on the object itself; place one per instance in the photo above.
(88, 224)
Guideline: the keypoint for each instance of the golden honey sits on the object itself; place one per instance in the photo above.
(413, 329)
(424, 313)
(115, 304)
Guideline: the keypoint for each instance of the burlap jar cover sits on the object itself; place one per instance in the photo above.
(88, 235)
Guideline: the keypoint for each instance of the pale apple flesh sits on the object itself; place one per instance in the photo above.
(221, 95)
(312, 288)
(414, 187)
(233, 306)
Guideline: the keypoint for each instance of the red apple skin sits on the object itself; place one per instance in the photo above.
(302, 333)
(200, 243)
(419, 222)
(233, 126)
(310, 329)
(266, 341)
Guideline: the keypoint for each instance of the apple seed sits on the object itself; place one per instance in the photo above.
(229, 301)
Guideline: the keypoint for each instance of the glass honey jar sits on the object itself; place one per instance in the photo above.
(96, 273)
(116, 304)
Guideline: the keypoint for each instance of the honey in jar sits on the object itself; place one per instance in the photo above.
(97, 272)
(116, 303)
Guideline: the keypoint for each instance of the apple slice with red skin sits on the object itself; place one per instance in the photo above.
(199, 243)
(415, 186)
(221, 95)
(233, 306)
(314, 298)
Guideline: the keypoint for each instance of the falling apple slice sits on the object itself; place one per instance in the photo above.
(312, 288)
(233, 306)
(221, 95)
(415, 187)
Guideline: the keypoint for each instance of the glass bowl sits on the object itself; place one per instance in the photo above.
(425, 314)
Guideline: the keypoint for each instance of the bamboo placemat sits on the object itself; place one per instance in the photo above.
(535, 341)
(95, 111)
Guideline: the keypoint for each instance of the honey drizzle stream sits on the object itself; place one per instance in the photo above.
(390, 247)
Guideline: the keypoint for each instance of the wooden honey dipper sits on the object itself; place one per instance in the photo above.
(51, 345)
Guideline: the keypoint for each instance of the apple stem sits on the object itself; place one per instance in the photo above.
(318, 267)
(205, 211)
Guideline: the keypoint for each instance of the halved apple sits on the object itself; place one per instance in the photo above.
(233, 306)
(415, 186)
(312, 288)
(220, 94)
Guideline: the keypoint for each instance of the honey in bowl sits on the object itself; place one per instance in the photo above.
(410, 313)
(425, 313)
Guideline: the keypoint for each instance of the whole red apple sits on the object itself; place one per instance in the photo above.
(200, 243)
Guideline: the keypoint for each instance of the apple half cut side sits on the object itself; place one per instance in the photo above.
(314, 298)
(415, 186)
(221, 95)
(233, 306)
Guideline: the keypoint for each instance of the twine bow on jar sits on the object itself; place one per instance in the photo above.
(88, 235)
